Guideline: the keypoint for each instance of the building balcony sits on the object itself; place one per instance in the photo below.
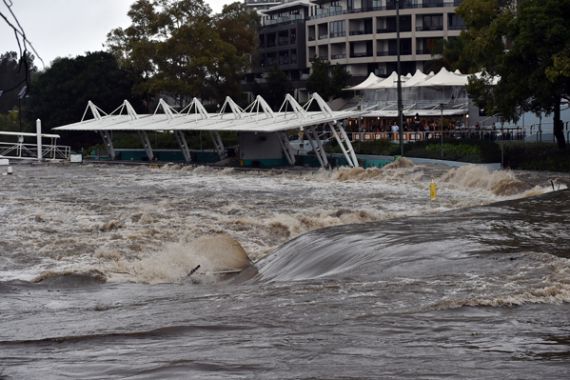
(429, 28)
(393, 30)
(337, 34)
(361, 54)
(338, 56)
(360, 32)
(268, 23)
(427, 51)
(388, 52)
(456, 27)
(411, 4)
(323, 36)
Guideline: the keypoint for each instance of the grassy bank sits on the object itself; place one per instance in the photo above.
(514, 155)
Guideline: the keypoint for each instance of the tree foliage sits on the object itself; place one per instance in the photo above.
(14, 74)
(527, 44)
(59, 95)
(177, 47)
(328, 81)
(275, 88)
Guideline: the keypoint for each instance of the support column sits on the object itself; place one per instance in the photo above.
(317, 147)
(146, 144)
(286, 146)
(181, 139)
(39, 139)
(344, 144)
(108, 141)
(218, 144)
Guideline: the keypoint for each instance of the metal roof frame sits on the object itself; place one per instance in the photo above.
(258, 117)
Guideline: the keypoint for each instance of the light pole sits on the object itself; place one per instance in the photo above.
(400, 113)
(441, 129)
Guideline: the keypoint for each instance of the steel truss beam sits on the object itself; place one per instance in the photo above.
(317, 146)
(286, 146)
(340, 135)
(218, 144)
(181, 139)
(108, 141)
(146, 144)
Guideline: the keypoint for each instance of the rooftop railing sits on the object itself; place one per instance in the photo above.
(335, 11)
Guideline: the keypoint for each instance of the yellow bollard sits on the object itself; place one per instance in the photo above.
(432, 190)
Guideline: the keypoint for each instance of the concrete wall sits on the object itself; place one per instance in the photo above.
(259, 146)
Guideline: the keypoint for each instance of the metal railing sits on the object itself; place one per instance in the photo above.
(22, 150)
(403, 29)
(25, 151)
(512, 134)
(360, 55)
(335, 11)
(337, 34)
(536, 132)
(429, 28)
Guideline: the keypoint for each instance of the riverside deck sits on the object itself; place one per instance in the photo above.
(257, 118)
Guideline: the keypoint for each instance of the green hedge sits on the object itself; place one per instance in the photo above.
(536, 156)
(464, 151)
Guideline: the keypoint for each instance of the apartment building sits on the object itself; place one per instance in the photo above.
(260, 5)
(361, 34)
(282, 38)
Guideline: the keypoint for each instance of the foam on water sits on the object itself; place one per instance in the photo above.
(543, 280)
(500, 182)
(207, 257)
(93, 217)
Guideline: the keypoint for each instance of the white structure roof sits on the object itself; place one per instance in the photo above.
(291, 4)
(419, 79)
(389, 82)
(257, 117)
(446, 78)
(370, 81)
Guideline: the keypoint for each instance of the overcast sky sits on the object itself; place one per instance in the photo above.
(66, 28)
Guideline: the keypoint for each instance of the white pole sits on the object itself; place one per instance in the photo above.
(39, 138)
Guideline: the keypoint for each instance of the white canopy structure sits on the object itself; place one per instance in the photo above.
(368, 82)
(417, 78)
(258, 117)
(446, 78)
(423, 94)
(390, 82)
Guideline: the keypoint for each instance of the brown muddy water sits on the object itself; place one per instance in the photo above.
(355, 275)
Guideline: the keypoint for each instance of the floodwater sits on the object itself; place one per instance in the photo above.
(356, 274)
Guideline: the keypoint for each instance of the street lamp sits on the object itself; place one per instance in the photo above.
(398, 68)
(441, 129)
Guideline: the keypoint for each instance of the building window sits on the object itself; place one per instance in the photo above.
(455, 22)
(337, 29)
(430, 22)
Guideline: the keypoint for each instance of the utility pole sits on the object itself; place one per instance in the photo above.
(441, 130)
(398, 68)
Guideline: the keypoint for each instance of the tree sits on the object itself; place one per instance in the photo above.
(526, 43)
(176, 47)
(237, 25)
(328, 81)
(275, 88)
(59, 95)
(14, 77)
